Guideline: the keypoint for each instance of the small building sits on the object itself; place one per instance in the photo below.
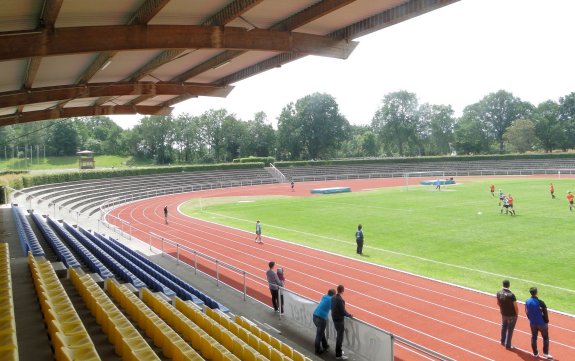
(87, 159)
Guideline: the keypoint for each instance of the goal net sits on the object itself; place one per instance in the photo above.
(415, 178)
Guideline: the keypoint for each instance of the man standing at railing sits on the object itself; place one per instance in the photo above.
(338, 315)
(275, 283)
(166, 214)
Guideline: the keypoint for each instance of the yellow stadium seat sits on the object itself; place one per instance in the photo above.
(265, 349)
(276, 344)
(287, 350)
(276, 355)
(266, 337)
(243, 334)
(298, 356)
(253, 341)
(238, 348)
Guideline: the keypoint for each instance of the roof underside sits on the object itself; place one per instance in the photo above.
(69, 58)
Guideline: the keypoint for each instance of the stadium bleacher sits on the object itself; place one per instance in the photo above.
(182, 330)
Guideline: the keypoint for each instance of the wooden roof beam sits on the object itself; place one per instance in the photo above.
(221, 18)
(50, 13)
(91, 39)
(91, 90)
(291, 23)
(72, 112)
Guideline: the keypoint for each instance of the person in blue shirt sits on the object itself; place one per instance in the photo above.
(536, 311)
(359, 239)
(320, 316)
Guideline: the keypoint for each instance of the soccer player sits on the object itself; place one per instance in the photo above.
(505, 205)
(492, 190)
(501, 197)
(552, 191)
(510, 205)
(570, 199)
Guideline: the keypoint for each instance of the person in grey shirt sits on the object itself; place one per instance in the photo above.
(275, 284)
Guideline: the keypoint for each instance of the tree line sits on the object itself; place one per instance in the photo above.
(314, 128)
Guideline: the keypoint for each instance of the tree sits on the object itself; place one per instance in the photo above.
(396, 121)
(547, 126)
(63, 138)
(313, 127)
(441, 125)
(567, 118)
(259, 139)
(470, 136)
(499, 110)
(289, 139)
(521, 135)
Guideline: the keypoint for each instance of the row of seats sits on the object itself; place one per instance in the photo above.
(63, 253)
(87, 257)
(210, 348)
(128, 342)
(122, 272)
(260, 340)
(149, 280)
(163, 336)
(199, 297)
(68, 335)
(26, 234)
(8, 341)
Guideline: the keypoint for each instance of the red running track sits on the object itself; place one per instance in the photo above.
(460, 323)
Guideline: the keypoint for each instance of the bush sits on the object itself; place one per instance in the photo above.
(469, 158)
(50, 178)
(265, 160)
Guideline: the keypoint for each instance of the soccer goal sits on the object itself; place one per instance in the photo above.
(414, 178)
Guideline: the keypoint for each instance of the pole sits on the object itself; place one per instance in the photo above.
(245, 286)
(217, 275)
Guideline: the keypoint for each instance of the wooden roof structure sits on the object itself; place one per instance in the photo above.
(72, 58)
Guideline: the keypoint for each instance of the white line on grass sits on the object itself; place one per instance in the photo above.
(403, 254)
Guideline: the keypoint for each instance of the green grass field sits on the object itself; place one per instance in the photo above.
(456, 235)
(70, 162)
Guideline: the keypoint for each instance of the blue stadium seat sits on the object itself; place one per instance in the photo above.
(63, 253)
(92, 261)
(198, 296)
(26, 234)
(148, 279)
(108, 260)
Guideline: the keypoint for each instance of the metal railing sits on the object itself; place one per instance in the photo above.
(166, 245)
(277, 174)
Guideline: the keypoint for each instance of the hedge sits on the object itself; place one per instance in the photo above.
(265, 160)
(469, 158)
(50, 178)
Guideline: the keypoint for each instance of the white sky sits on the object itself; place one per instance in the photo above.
(455, 55)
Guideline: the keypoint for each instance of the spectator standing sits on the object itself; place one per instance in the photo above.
(320, 316)
(536, 311)
(359, 239)
(166, 214)
(507, 303)
(281, 275)
(275, 283)
(338, 314)
(259, 232)
(292, 185)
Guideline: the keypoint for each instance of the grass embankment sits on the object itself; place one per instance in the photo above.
(456, 235)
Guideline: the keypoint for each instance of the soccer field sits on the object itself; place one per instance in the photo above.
(457, 235)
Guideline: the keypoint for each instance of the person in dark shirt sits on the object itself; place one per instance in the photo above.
(536, 311)
(508, 306)
(338, 314)
(166, 214)
(359, 239)
(320, 317)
